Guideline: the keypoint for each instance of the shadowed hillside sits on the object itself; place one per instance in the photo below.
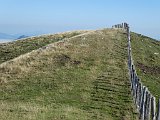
(84, 77)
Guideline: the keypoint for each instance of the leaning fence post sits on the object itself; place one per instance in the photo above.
(147, 106)
(133, 81)
(158, 112)
(137, 93)
(136, 88)
(153, 108)
(143, 103)
(140, 95)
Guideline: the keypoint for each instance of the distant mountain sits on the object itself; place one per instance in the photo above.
(6, 36)
(22, 36)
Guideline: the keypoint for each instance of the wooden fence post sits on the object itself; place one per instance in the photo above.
(147, 106)
(140, 95)
(158, 112)
(132, 77)
(153, 108)
(136, 88)
(137, 93)
(135, 80)
(142, 110)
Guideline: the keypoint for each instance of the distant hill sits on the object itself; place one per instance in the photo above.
(16, 48)
(6, 36)
(22, 36)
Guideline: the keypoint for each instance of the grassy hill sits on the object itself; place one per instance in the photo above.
(84, 77)
(146, 56)
(11, 50)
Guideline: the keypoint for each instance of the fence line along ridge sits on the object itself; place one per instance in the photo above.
(145, 102)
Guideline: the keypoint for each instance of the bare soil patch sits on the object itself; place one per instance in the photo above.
(147, 69)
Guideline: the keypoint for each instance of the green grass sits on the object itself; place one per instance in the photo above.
(12, 50)
(146, 56)
(80, 78)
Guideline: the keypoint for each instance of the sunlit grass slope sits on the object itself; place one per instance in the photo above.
(80, 78)
(11, 50)
(146, 55)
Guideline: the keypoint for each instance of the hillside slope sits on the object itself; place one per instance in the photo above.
(146, 56)
(12, 50)
(84, 77)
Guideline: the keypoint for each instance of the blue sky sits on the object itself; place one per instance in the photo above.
(50, 16)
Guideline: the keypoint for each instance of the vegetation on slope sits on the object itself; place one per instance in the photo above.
(146, 56)
(11, 50)
(84, 78)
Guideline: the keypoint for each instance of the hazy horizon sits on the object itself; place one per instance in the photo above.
(52, 16)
